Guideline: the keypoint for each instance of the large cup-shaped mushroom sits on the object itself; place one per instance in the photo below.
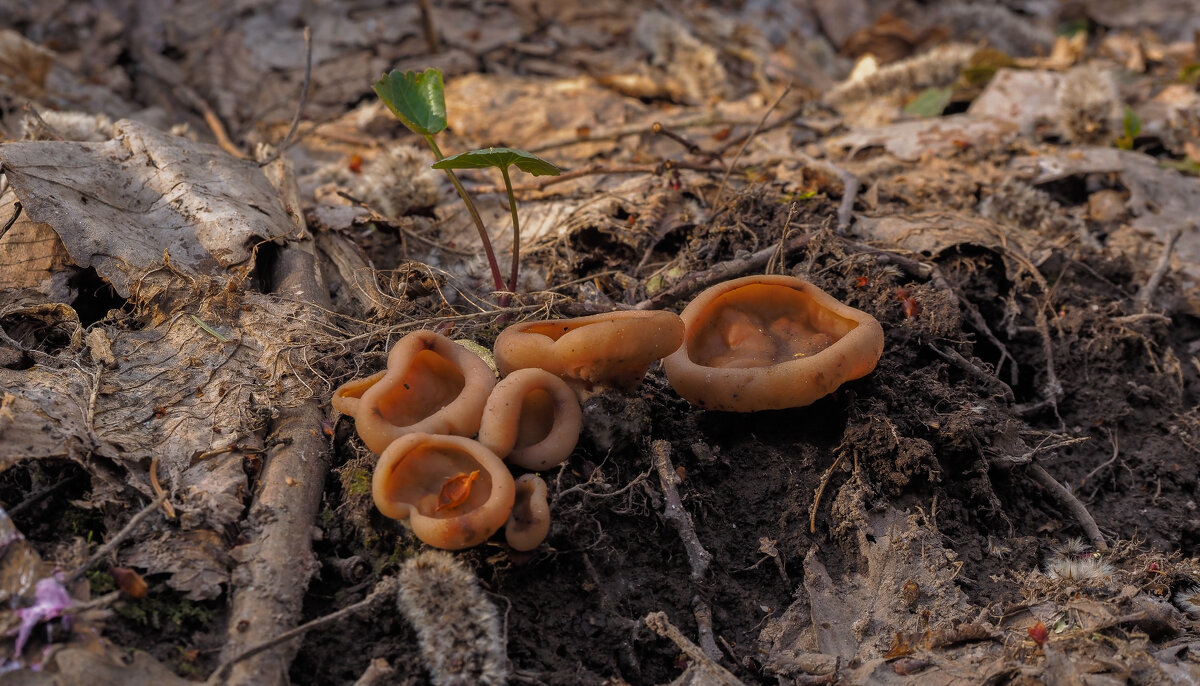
(770, 342)
(532, 419)
(529, 522)
(452, 491)
(614, 349)
(431, 385)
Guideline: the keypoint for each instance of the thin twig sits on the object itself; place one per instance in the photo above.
(692, 148)
(1069, 501)
(704, 628)
(673, 510)
(951, 355)
(850, 187)
(193, 99)
(777, 256)
(1112, 437)
(287, 139)
(812, 511)
(939, 281)
(659, 624)
(404, 231)
(49, 130)
(386, 588)
(11, 220)
(1145, 295)
(159, 491)
(102, 601)
(33, 498)
(721, 188)
(431, 35)
(722, 271)
(112, 543)
(595, 170)
(1053, 387)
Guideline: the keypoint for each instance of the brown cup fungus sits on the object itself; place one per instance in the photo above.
(770, 342)
(532, 419)
(614, 349)
(451, 490)
(529, 522)
(431, 385)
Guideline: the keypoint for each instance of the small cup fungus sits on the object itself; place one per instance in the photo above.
(431, 385)
(529, 522)
(770, 342)
(451, 490)
(610, 349)
(532, 419)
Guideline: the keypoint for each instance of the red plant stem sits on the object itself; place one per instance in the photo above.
(516, 246)
(483, 236)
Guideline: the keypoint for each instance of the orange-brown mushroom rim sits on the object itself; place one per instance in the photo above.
(414, 479)
(797, 373)
(614, 349)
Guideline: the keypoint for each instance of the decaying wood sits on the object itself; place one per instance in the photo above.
(276, 562)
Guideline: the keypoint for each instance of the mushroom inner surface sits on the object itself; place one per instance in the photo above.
(554, 330)
(439, 482)
(430, 383)
(764, 324)
(537, 418)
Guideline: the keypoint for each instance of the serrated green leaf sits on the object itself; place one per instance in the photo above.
(500, 158)
(417, 100)
(930, 103)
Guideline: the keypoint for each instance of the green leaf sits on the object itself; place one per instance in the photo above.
(500, 158)
(930, 103)
(417, 100)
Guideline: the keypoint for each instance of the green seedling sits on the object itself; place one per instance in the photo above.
(1132, 126)
(502, 159)
(419, 102)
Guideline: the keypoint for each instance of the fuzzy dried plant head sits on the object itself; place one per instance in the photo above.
(1188, 600)
(1077, 570)
(458, 626)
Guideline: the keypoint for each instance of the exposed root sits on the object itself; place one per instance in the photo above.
(1069, 501)
(715, 673)
(673, 510)
(1146, 295)
(812, 510)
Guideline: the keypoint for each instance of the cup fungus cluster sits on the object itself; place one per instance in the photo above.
(744, 345)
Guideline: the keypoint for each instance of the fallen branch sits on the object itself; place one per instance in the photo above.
(276, 560)
(673, 510)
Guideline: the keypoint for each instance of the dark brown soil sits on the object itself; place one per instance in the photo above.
(1010, 348)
